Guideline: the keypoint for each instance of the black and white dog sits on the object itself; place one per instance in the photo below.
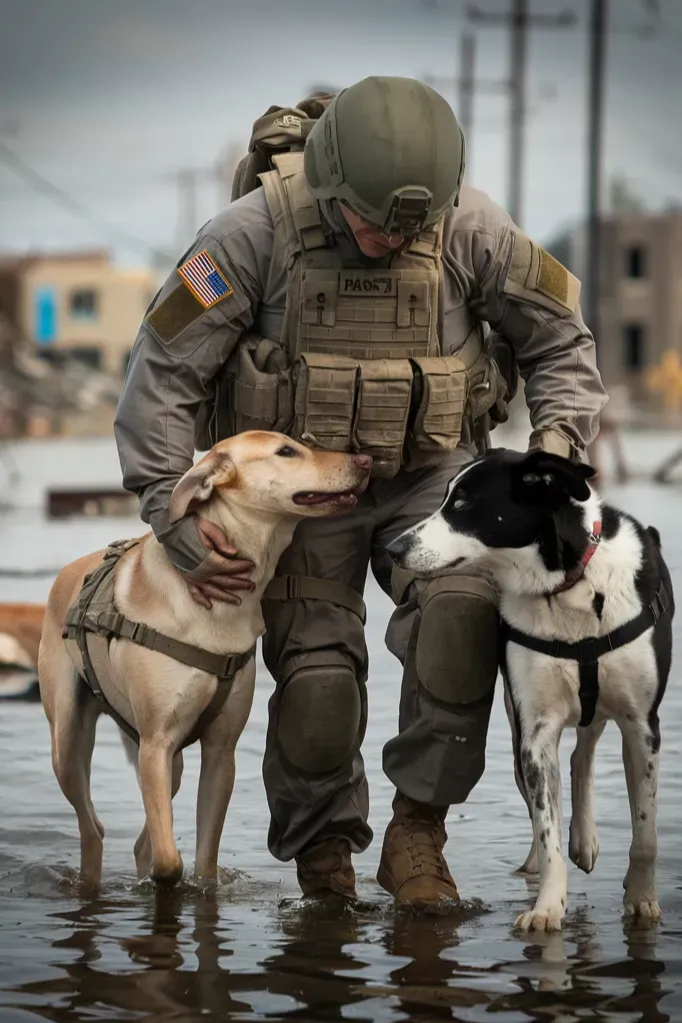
(586, 604)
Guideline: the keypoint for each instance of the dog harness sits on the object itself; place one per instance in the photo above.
(94, 613)
(588, 651)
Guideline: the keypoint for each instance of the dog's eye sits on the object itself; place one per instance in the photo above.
(460, 503)
(286, 452)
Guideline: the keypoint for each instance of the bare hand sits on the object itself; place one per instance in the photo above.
(229, 577)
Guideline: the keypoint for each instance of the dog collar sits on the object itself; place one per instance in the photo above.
(576, 574)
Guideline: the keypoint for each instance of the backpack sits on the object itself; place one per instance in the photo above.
(279, 130)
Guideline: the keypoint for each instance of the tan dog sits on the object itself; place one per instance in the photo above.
(256, 487)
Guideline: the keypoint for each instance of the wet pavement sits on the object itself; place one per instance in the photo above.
(248, 948)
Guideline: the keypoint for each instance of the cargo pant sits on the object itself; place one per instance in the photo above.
(315, 649)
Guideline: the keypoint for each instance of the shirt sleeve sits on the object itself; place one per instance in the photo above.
(529, 298)
(186, 337)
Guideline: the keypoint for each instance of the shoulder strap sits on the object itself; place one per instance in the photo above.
(292, 200)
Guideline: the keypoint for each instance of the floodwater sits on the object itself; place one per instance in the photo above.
(248, 949)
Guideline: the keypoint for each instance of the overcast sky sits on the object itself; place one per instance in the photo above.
(110, 99)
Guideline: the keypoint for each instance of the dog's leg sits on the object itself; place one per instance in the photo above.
(216, 779)
(530, 866)
(73, 720)
(542, 779)
(143, 845)
(583, 847)
(216, 782)
(155, 768)
(640, 759)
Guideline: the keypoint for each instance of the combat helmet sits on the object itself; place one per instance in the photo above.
(391, 150)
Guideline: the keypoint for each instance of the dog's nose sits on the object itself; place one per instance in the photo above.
(363, 462)
(397, 549)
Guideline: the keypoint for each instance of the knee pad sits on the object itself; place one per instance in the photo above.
(457, 643)
(319, 717)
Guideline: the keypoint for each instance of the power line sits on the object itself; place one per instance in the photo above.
(467, 85)
(519, 19)
(41, 184)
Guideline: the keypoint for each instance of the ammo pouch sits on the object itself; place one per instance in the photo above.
(383, 406)
(347, 404)
(253, 392)
(260, 399)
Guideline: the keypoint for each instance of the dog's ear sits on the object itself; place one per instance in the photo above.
(216, 469)
(541, 477)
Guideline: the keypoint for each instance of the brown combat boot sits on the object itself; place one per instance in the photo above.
(412, 866)
(327, 869)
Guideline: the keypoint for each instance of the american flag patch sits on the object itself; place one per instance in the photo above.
(204, 279)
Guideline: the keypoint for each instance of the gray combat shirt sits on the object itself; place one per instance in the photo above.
(487, 265)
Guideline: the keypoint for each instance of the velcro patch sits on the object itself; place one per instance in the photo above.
(204, 280)
(536, 277)
(174, 314)
(553, 278)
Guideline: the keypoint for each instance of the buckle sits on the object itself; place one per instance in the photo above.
(137, 633)
(293, 587)
(588, 651)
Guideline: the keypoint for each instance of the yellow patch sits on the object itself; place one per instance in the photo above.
(553, 278)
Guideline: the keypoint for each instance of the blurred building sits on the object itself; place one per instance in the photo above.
(640, 301)
(76, 304)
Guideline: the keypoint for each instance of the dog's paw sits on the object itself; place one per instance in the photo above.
(540, 919)
(583, 849)
(646, 911)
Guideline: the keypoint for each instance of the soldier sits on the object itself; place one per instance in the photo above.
(349, 302)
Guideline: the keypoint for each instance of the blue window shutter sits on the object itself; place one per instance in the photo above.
(45, 315)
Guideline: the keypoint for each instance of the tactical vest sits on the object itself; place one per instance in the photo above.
(361, 364)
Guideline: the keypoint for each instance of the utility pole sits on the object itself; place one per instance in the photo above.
(598, 28)
(466, 86)
(517, 112)
(520, 20)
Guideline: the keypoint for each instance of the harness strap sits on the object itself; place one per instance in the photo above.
(588, 651)
(305, 587)
(113, 623)
(81, 621)
(108, 627)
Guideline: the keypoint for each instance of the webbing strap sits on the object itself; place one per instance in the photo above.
(305, 587)
(82, 621)
(588, 651)
(113, 623)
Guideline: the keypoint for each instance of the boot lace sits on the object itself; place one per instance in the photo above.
(423, 840)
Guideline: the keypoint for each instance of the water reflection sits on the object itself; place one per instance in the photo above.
(200, 955)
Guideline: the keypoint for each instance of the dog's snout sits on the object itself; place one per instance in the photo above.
(363, 462)
(398, 548)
